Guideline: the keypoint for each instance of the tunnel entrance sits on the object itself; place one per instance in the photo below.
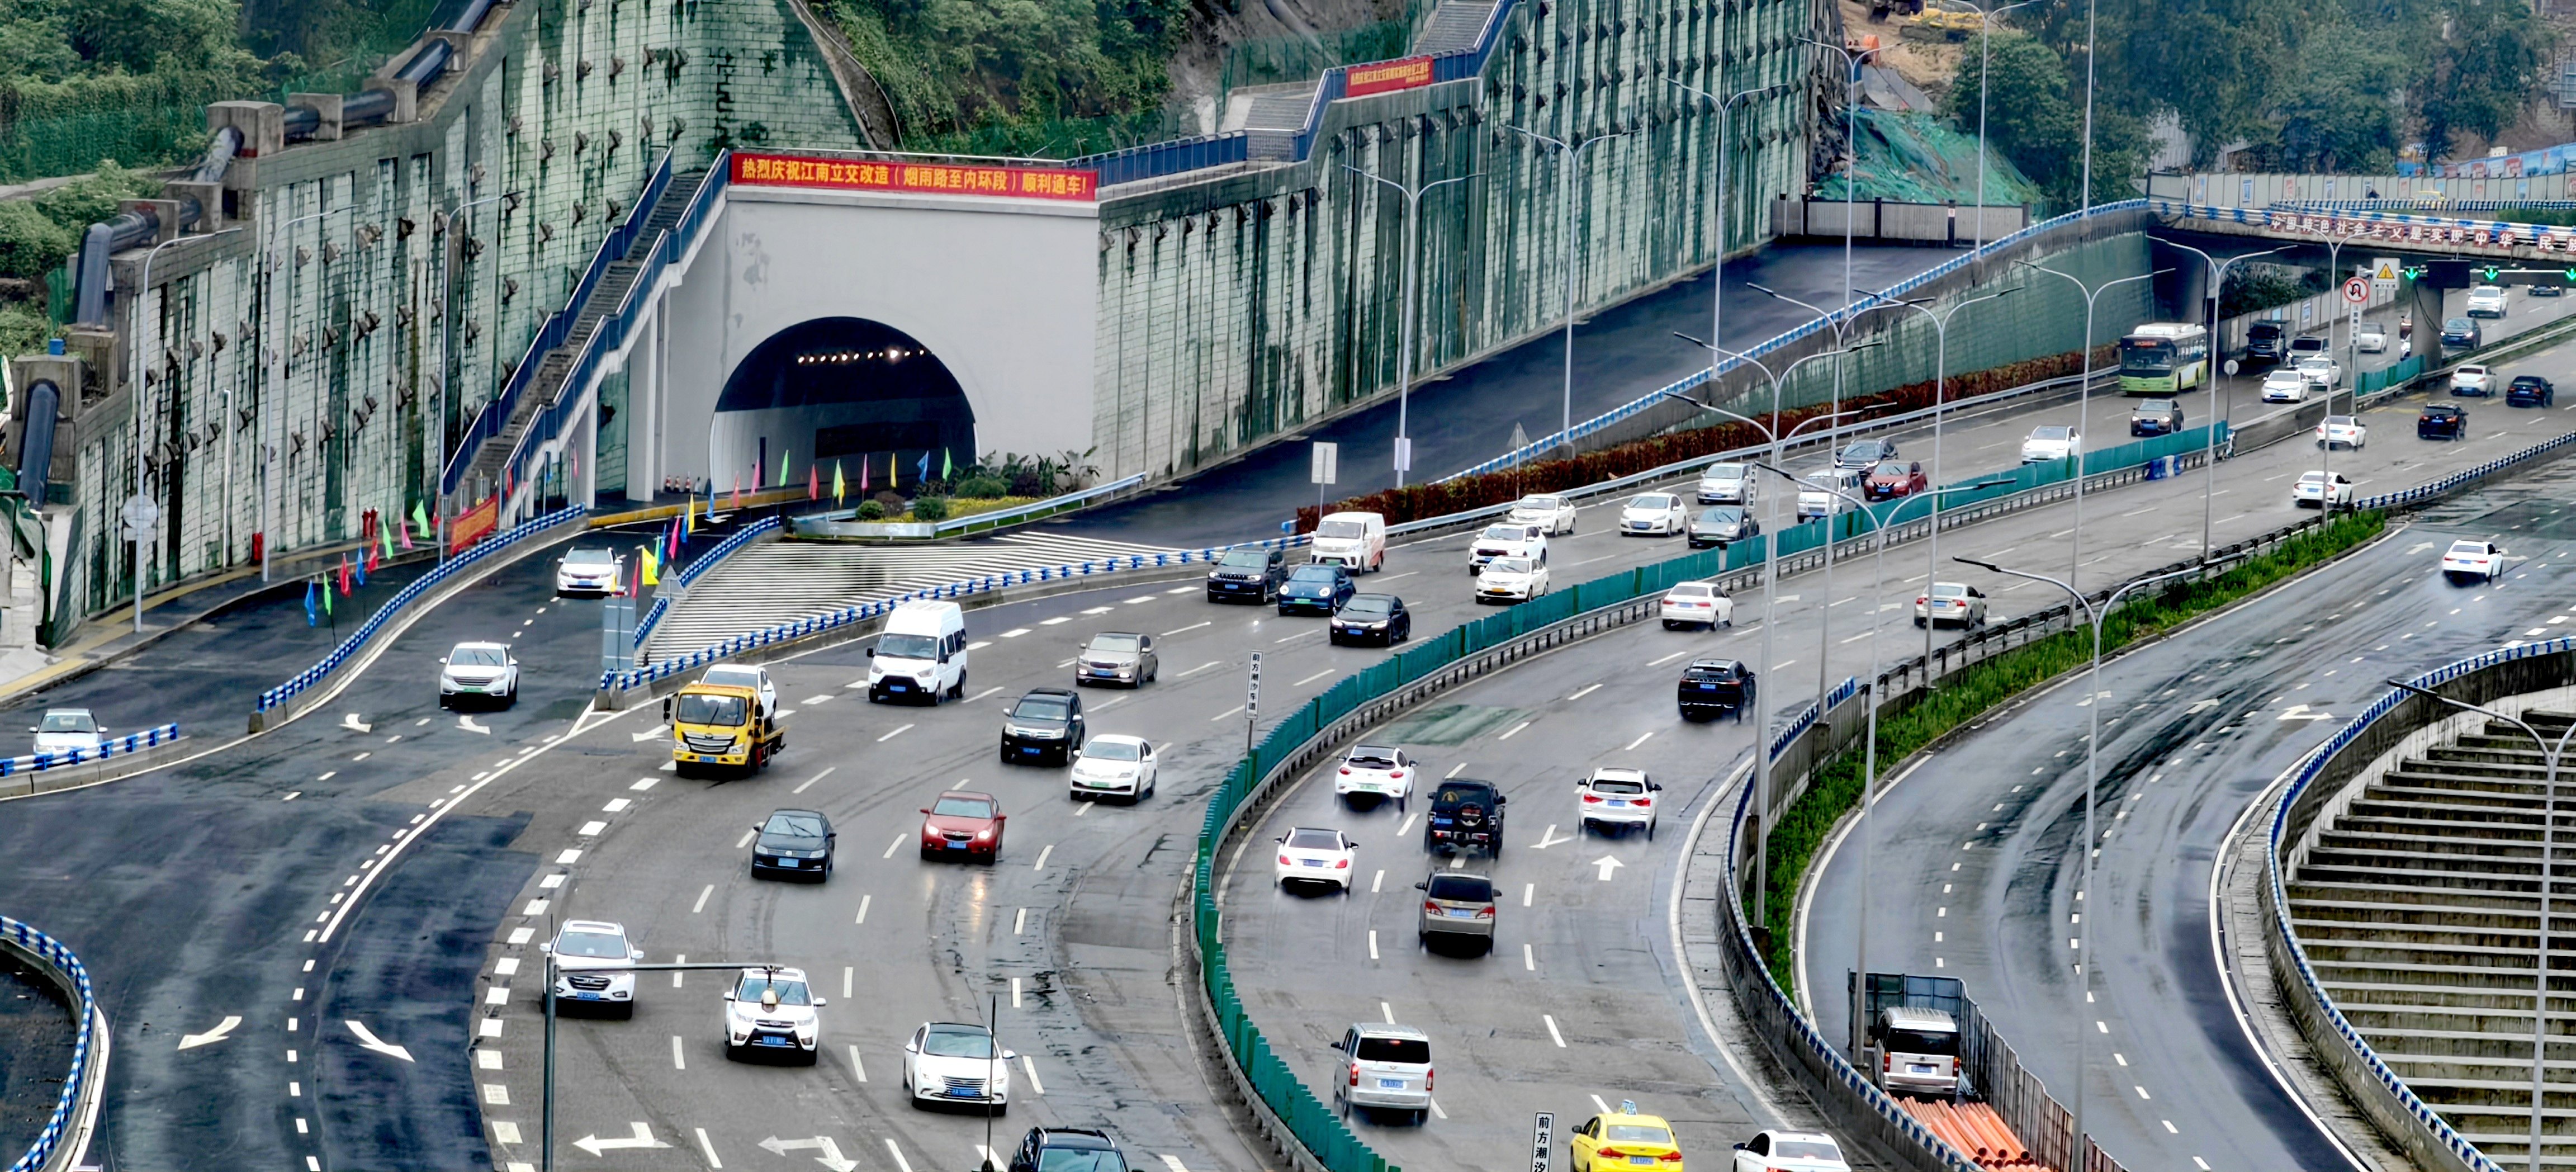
(842, 390)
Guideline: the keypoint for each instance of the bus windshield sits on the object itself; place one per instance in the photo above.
(2146, 355)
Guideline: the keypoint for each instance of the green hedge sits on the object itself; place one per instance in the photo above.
(1977, 689)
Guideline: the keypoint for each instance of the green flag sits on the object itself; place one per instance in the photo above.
(420, 517)
(386, 532)
(946, 469)
(783, 454)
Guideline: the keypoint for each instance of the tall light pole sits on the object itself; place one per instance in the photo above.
(1572, 155)
(1851, 176)
(2334, 267)
(2084, 393)
(2209, 454)
(134, 386)
(1940, 378)
(1717, 251)
(270, 386)
(2550, 754)
(1770, 585)
(2092, 781)
(446, 314)
(1412, 263)
(1985, 57)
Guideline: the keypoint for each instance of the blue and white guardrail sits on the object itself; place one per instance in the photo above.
(2432, 1121)
(480, 552)
(58, 1126)
(698, 569)
(2428, 491)
(124, 746)
(2402, 229)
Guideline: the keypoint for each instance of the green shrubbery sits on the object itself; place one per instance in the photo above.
(930, 508)
(983, 487)
(1835, 788)
(871, 511)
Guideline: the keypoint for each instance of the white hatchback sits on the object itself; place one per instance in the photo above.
(1114, 765)
(773, 1011)
(1383, 774)
(1616, 799)
(1551, 513)
(2049, 442)
(1310, 855)
(1697, 604)
(1660, 514)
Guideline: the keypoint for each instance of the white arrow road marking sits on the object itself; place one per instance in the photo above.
(1548, 839)
(831, 1157)
(648, 734)
(643, 1138)
(368, 1039)
(222, 1030)
(467, 723)
(2300, 712)
(1607, 865)
(2200, 706)
(2420, 547)
(353, 724)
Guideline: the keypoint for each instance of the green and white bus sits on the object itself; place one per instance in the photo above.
(2162, 358)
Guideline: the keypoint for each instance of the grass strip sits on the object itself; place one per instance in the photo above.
(1978, 688)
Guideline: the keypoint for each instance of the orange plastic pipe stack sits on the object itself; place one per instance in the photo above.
(1974, 1129)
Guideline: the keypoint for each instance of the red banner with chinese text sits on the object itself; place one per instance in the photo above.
(915, 178)
(473, 525)
(1379, 77)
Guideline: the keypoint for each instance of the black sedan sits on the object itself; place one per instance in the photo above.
(1720, 524)
(2530, 390)
(2442, 421)
(793, 844)
(1044, 728)
(2461, 331)
(1371, 618)
(1716, 687)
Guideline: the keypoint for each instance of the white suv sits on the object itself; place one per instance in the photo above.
(1508, 539)
(1616, 799)
(2486, 301)
(954, 1062)
(1725, 484)
(594, 967)
(772, 1011)
(1382, 774)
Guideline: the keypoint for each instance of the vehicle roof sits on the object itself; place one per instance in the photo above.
(1908, 1017)
(807, 813)
(1078, 1137)
(66, 711)
(1059, 693)
(1461, 782)
(481, 645)
(1354, 517)
(1804, 1137)
(968, 1026)
(745, 668)
(1380, 1029)
(1100, 635)
(2529, 378)
(2166, 329)
(969, 793)
(1119, 738)
(1715, 665)
(782, 973)
(593, 926)
(2444, 409)
(2143, 404)
(1356, 599)
(1617, 773)
(1633, 1118)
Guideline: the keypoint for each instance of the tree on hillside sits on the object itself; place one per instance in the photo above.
(2338, 112)
(2035, 118)
(2479, 64)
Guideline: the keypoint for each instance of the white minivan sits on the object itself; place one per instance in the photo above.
(921, 655)
(1353, 541)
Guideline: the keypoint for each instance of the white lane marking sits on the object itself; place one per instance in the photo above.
(1105, 609)
(1607, 863)
(1019, 924)
(679, 1059)
(1043, 852)
(1015, 992)
(1172, 1163)
(368, 1039)
(1552, 1031)
(899, 731)
(1183, 590)
(210, 1037)
(899, 1162)
(827, 771)
(1237, 710)
(1138, 601)
(1030, 1067)
(1407, 827)
(864, 900)
(1388, 1011)
(1312, 678)
(858, 1069)
(353, 724)
(679, 958)
(709, 1148)
(1605, 1107)
(710, 889)
(2170, 1129)
(467, 723)
(1177, 630)
(291, 795)
(362, 757)
(1507, 734)
(1083, 809)
(1549, 839)
(1584, 691)
(616, 805)
(1529, 960)
(811, 701)
(745, 841)
(1375, 881)
(1453, 771)
(898, 845)
(1053, 621)
(1196, 670)
(1435, 1109)
(1641, 739)
(2142, 1091)
(979, 695)
(849, 973)
(1529, 891)
(1372, 944)
(979, 644)
(1015, 632)
(643, 783)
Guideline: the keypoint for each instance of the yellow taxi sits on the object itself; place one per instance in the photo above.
(1625, 1139)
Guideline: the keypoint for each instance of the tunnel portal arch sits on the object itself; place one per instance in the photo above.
(839, 390)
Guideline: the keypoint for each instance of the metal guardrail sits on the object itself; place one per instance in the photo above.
(2461, 479)
(2398, 228)
(126, 745)
(706, 562)
(1538, 448)
(959, 526)
(482, 551)
(2387, 205)
(84, 1042)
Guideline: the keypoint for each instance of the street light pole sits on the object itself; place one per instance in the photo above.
(1985, 57)
(269, 387)
(134, 387)
(2209, 454)
(1717, 250)
(1573, 158)
(1851, 177)
(1412, 262)
(2550, 754)
(2094, 616)
(2084, 394)
(446, 324)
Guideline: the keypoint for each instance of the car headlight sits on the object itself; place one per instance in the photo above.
(875, 673)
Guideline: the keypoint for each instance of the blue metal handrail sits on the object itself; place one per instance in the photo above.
(124, 746)
(84, 1041)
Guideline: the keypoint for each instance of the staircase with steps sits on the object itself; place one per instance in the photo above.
(2419, 910)
(552, 367)
(773, 582)
(1271, 116)
(1453, 26)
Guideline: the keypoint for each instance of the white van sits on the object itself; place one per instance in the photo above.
(1354, 541)
(1918, 1051)
(1816, 502)
(921, 655)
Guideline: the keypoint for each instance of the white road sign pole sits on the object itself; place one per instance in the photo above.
(1252, 702)
(1542, 1140)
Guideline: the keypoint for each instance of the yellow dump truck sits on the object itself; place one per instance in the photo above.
(723, 727)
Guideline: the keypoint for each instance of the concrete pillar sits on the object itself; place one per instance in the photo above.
(643, 420)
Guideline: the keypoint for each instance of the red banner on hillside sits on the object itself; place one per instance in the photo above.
(1380, 77)
(915, 178)
(473, 525)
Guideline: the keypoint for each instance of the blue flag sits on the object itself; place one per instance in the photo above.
(923, 468)
(312, 611)
(362, 571)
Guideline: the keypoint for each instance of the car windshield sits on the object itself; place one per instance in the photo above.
(1689, 590)
(592, 944)
(1367, 606)
(1460, 795)
(1921, 1042)
(67, 722)
(2155, 407)
(754, 985)
(794, 826)
(1316, 574)
(1807, 1149)
(1411, 1051)
(590, 557)
(1510, 566)
(1341, 529)
(707, 708)
(2282, 376)
(2050, 433)
(1080, 1160)
(1106, 749)
(1315, 840)
(475, 657)
(1042, 708)
(957, 1042)
(962, 808)
(1724, 472)
(1714, 671)
(1652, 500)
(1118, 644)
(1722, 515)
(1371, 757)
(1864, 450)
(2313, 478)
(1245, 559)
(1617, 785)
(2315, 362)
(1635, 1133)
(2460, 324)
(1504, 532)
(1891, 468)
(908, 646)
(1462, 888)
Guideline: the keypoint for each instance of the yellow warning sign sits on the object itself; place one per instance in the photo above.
(2384, 270)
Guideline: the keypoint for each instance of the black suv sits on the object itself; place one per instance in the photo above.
(1249, 573)
(2266, 341)
(2442, 421)
(2530, 390)
(1466, 814)
(1716, 687)
(1068, 1149)
(1045, 727)
(793, 843)
(2155, 417)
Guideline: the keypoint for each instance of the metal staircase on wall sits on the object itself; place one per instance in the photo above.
(552, 368)
(1453, 27)
(1273, 117)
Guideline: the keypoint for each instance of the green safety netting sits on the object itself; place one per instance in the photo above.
(1918, 158)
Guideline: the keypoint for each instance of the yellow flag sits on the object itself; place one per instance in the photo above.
(689, 516)
(652, 565)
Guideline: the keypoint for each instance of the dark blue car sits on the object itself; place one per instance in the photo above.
(1315, 589)
(2442, 421)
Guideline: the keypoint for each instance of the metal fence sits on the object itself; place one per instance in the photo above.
(85, 1042)
(126, 745)
(2464, 477)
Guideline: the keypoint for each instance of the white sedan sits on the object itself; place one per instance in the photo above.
(2472, 379)
(1114, 765)
(1659, 513)
(1616, 799)
(1379, 773)
(2285, 385)
(2342, 431)
(2312, 490)
(1548, 511)
(1507, 539)
(773, 1010)
(2481, 560)
(1309, 855)
(2048, 443)
(1697, 604)
(956, 1062)
(1511, 580)
(2321, 372)
(487, 670)
(589, 571)
(1790, 1151)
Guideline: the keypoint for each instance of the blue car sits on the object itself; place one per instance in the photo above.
(1315, 589)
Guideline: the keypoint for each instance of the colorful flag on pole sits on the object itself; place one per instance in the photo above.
(813, 482)
(386, 533)
(737, 490)
(652, 567)
(420, 517)
(947, 468)
(757, 469)
(838, 487)
(894, 472)
(312, 609)
(406, 535)
(345, 588)
(360, 565)
(375, 560)
(863, 476)
(783, 454)
(689, 517)
(922, 470)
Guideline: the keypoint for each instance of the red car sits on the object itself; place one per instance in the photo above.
(962, 824)
(1894, 478)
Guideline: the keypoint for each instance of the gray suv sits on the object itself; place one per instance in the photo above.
(1456, 906)
(1387, 1067)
